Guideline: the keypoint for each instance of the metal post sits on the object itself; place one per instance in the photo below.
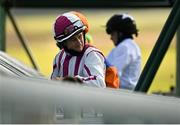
(160, 49)
(2, 28)
(178, 63)
(23, 42)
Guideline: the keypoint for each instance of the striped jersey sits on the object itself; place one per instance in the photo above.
(89, 66)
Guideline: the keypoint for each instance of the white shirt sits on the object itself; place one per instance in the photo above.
(89, 67)
(126, 56)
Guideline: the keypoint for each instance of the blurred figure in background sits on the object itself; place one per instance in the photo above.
(76, 59)
(126, 55)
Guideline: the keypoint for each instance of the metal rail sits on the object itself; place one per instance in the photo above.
(2, 28)
(159, 49)
(177, 63)
(87, 3)
(33, 101)
(22, 40)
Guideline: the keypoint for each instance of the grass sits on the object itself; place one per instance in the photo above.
(37, 30)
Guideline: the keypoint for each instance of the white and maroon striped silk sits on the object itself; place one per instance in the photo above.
(89, 67)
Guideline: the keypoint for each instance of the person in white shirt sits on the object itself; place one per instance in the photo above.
(76, 59)
(126, 55)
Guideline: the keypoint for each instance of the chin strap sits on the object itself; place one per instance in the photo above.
(72, 52)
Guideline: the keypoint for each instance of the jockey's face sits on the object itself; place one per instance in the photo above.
(76, 42)
(114, 37)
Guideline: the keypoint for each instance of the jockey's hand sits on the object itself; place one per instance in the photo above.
(72, 79)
